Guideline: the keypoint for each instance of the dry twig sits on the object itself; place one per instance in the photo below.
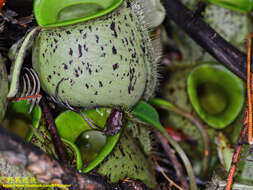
(249, 89)
(172, 183)
(170, 107)
(237, 151)
(58, 144)
(177, 166)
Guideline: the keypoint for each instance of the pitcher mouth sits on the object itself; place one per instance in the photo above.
(216, 94)
(60, 13)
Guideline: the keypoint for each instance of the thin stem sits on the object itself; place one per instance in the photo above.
(249, 93)
(172, 183)
(170, 153)
(58, 144)
(168, 106)
(237, 151)
(185, 160)
(203, 133)
(138, 111)
(26, 98)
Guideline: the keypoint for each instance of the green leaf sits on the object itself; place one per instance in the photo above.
(148, 114)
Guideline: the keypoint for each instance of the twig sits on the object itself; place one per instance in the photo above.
(249, 88)
(175, 145)
(237, 150)
(26, 98)
(172, 183)
(206, 37)
(170, 107)
(58, 144)
(44, 168)
(177, 166)
(185, 160)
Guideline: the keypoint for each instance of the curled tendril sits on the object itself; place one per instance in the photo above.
(30, 89)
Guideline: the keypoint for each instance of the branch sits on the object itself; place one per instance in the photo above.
(206, 37)
(237, 150)
(44, 168)
(50, 124)
(171, 154)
